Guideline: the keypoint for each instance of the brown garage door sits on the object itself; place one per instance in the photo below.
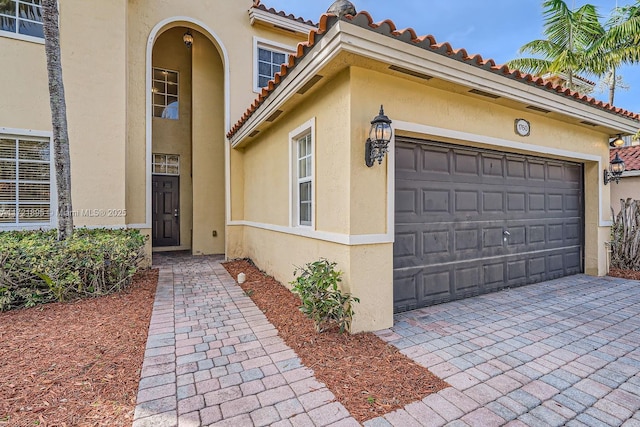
(472, 221)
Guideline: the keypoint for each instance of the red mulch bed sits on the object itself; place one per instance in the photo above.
(77, 363)
(624, 274)
(369, 377)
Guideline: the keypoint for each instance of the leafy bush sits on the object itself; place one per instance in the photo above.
(35, 268)
(322, 301)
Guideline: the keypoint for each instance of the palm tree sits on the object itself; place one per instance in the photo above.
(569, 34)
(619, 45)
(62, 158)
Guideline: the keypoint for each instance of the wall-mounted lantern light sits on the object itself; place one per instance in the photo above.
(616, 168)
(617, 142)
(188, 39)
(377, 144)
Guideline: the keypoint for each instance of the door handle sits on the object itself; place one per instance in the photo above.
(506, 233)
(175, 213)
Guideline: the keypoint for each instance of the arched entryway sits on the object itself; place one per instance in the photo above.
(186, 141)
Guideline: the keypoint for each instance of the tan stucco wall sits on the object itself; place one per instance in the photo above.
(208, 149)
(371, 282)
(93, 40)
(24, 88)
(266, 165)
(93, 37)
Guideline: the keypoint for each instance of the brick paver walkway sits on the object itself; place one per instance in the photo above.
(212, 358)
(565, 352)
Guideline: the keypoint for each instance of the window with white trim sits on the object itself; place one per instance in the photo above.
(305, 180)
(25, 181)
(302, 174)
(165, 94)
(269, 56)
(166, 164)
(21, 17)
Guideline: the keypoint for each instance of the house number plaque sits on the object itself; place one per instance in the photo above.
(523, 127)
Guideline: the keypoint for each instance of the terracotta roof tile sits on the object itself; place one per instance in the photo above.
(258, 5)
(630, 155)
(427, 42)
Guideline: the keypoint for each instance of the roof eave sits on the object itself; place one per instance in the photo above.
(264, 17)
(403, 54)
(345, 36)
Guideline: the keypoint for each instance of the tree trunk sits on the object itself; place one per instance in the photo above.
(570, 79)
(62, 160)
(612, 85)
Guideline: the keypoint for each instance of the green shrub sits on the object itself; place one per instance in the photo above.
(35, 268)
(322, 301)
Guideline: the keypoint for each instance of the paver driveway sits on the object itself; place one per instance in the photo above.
(565, 352)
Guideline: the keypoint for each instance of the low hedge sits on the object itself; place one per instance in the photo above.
(35, 268)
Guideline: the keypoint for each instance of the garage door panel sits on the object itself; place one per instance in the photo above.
(492, 237)
(516, 202)
(436, 242)
(537, 202)
(494, 276)
(492, 166)
(516, 169)
(436, 286)
(536, 171)
(556, 263)
(406, 159)
(555, 172)
(466, 163)
(537, 267)
(466, 240)
(493, 201)
(467, 281)
(404, 291)
(518, 236)
(453, 207)
(407, 201)
(573, 262)
(516, 272)
(435, 201)
(573, 174)
(406, 245)
(466, 202)
(434, 160)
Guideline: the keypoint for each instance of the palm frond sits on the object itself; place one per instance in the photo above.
(535, 66)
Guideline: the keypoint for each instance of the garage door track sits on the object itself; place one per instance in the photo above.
(564, 352)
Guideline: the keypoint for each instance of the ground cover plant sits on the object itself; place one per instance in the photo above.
(36, 268)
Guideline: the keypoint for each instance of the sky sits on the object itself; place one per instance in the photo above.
(493, 28)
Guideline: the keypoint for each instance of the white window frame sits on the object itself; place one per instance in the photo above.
(165, 163)
(16, 35)
(308, 128)
(268, 45)
(153, 93)
(44, 136)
